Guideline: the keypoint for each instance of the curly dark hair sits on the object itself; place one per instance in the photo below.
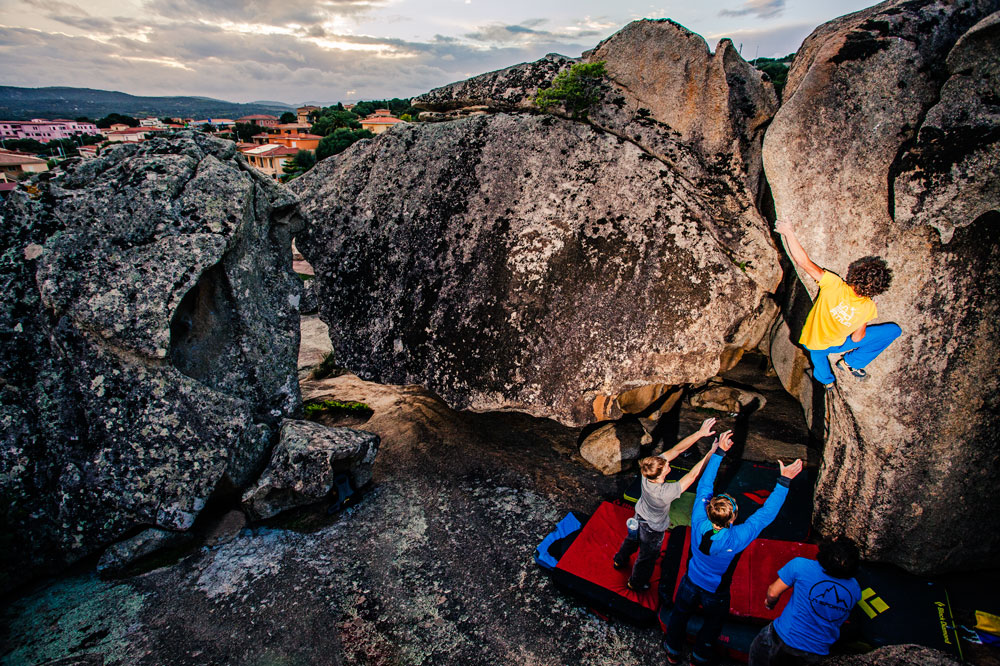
(839, 557)
(869, 276)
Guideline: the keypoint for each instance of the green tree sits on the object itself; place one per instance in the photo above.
(332, 119)
(208, 127)
(775, 70)
(112, 118)
(298, 165)
(339, 141)
(288, 117)
(395, 105)
(61, 148)
(25, 146)
(577, 89)
(246, 131)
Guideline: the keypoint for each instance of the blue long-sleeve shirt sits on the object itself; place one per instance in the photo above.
(706, 571)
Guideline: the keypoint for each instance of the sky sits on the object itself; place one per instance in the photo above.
(325, 51)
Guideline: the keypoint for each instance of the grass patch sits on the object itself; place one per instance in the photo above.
(315, 408)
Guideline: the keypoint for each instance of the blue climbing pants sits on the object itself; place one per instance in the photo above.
(859, 354)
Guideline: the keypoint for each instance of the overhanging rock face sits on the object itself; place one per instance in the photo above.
(881, 148)
(149, 325)
(530, 262)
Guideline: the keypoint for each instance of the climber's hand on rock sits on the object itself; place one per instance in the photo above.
(782, 227)
(791, 471)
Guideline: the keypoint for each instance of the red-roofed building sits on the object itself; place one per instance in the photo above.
(15, 165)
(261, 119)
(303, 112)
(293, 128)
(298, 141)
(269, 158)
(380, 121)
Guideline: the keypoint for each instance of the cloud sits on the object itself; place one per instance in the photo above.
(242, 50)
(197, 58)
(57, 6)
(759, 8)
(265, 12)
(527, 32)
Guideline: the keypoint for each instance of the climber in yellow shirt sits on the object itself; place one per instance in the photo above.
(838, 321)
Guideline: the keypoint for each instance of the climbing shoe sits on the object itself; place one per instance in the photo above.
(672, 657)
(637, 588)
(858, 373)
(618, 565)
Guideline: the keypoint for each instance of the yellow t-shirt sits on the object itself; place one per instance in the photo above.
(837, 313)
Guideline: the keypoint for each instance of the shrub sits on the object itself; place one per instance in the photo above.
(577, 89)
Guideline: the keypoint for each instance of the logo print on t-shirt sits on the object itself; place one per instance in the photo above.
(830, 601)
(843, 313)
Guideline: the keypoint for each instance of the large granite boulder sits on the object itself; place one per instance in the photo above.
(883, 147)
(149, 331)
(532, 262)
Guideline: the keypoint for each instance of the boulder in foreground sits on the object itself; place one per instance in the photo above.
(149, 335)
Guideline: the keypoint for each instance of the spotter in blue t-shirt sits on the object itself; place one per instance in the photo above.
(819, 605)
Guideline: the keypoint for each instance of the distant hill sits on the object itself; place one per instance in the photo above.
(276, 105)
(60, 102)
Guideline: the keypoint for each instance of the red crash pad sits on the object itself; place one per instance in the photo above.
(589, 559)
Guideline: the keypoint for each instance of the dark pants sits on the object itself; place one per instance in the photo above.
(649, 542)
(715, 607)
(769, 650)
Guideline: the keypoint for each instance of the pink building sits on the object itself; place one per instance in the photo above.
(45, 130)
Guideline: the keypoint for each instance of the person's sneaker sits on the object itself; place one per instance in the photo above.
(618, 565)
(637, 588)
(858, 373)
(672, 657)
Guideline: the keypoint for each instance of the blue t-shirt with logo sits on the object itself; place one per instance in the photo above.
(819, 605)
